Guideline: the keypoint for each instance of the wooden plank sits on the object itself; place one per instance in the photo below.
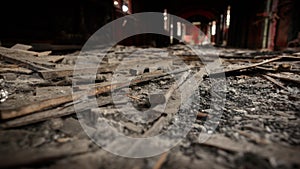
(19, 46)
(25, 49)
(275, 82)
(65, 110)
(27, 109)
(58, 73)
(33, 53)
(54, 58)
(22, 63)
(16, 70)
(24, 60)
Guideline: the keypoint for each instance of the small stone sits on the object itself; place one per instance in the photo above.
(55, 137)
(63, 140)
(163, 82)
(39, 141)
(237, 118)
(56, 123)
(46, 132)
(10, 76)
(268, 129)
(292, 118)
(71, 127)
(134, 72)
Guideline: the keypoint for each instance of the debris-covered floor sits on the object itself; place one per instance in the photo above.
(258, 127)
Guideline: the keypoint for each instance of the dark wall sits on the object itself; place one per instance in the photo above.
(246, 26)
(289, 22)
(56, 21)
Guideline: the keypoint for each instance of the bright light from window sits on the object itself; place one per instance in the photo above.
(124, 8)
(213, 28)
(228, 17)
(178, 29)
(165, 12)
(196, 23)
(116, 3)
(165, 20)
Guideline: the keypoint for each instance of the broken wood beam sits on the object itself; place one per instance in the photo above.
(227, 72)
(275, 82)
(246, 67)
(285, 78)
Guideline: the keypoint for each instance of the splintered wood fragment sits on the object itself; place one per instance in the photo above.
(201, 115)
(54, 59)
(24, 48)
(162, 159)
(21, 47)
(286, 78)
(16, 70)
(275, 82)
(49, 103)
(266, 69)
(45, 53)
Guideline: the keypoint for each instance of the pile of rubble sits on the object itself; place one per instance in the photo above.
(43, 100)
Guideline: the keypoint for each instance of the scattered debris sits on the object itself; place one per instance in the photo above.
(260, 120)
